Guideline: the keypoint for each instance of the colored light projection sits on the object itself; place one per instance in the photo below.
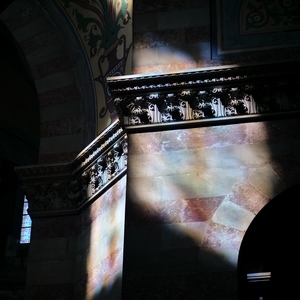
(104, 259)
(104, 28)
(191, 197)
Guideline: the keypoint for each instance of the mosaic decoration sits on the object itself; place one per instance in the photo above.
(263, 25)
(104, 28)
(269, 16)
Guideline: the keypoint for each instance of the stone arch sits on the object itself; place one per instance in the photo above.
(60, 75)
(19, 113)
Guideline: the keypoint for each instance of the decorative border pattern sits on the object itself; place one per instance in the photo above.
(104, 28)
(258, 26)
(204, 95)
(228, 93)
(60, 189)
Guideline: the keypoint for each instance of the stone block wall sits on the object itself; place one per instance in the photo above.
(79, 256)
(170, 35)
(52, 257)
(175, 35)
(192, 194)
(99, 254)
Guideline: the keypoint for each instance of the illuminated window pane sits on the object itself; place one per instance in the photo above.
(26, 224)
(25, 235)
(25, 207)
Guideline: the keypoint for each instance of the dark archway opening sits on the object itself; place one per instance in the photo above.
(19, 145)
(19, 113)
(268, 258)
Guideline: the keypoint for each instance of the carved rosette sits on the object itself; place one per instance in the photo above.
(61, 189)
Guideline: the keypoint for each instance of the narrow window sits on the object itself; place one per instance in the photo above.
(26, 224)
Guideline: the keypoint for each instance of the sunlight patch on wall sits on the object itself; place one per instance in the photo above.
(105, 256)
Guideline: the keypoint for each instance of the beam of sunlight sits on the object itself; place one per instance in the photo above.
(105, 259)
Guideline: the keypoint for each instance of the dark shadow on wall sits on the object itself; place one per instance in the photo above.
(113, 292)
(152, 271)
(19, 113)
(13, 255)
(19, 145)
(270, 245)
(4, 4)
(164, 263)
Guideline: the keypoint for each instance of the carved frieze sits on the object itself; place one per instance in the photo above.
(61, 189)
(151, 100)
(207, 94)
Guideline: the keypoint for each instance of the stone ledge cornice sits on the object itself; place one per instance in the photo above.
(84, 159)
(66, 188)
(215, 95)
(212, 76)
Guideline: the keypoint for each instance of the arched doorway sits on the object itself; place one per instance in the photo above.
(268, 253)
(19, 145)
(19, 113)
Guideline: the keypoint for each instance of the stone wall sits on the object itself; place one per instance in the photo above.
(99, 254)
(170, 35)
(52, 257)
(57, 68)
(79, 256)
(191, 196)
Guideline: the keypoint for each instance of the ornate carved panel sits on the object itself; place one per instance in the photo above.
(60, 189)
(217, 94)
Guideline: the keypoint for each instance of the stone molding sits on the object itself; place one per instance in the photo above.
(146, 103)
(225, 94)
(67, 188)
